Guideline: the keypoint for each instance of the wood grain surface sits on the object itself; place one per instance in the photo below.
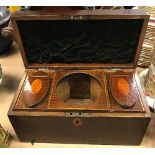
(85, 90)
(123, 92)
(35, 89)
(100, 94)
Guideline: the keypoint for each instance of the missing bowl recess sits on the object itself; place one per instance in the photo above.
(78, 88)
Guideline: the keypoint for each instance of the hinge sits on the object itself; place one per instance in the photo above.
(115, 69)
(121, 69)
(45, 69)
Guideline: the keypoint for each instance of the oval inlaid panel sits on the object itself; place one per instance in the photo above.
(35, 88)
(123, 86)
(120, 90)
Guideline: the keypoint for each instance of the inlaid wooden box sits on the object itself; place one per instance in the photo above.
(80, 84)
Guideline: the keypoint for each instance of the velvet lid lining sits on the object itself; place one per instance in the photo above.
(80, 41)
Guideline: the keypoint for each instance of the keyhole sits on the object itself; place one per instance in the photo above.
(77, 122)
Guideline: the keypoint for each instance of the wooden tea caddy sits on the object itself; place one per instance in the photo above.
(80, 84)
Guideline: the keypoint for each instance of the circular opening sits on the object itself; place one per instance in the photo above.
(78, 88)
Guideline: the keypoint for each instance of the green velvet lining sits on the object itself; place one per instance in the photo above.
(81, 41)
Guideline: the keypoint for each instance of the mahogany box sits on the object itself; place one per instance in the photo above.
(80, 83)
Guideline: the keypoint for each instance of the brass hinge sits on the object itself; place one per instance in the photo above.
(45, 69)
(120, 69)
(115, 69)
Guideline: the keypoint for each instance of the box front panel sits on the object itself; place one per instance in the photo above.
(102, 130)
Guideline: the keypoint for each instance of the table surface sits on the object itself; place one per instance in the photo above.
(13, 68)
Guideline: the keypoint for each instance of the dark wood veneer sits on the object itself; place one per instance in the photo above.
(30, 95)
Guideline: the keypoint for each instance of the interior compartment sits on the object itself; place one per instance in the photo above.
(36, 99)
(78, 88)
(80, 41)
(83, 90)
(121, 99)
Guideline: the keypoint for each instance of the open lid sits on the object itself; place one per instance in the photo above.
(80, 39)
